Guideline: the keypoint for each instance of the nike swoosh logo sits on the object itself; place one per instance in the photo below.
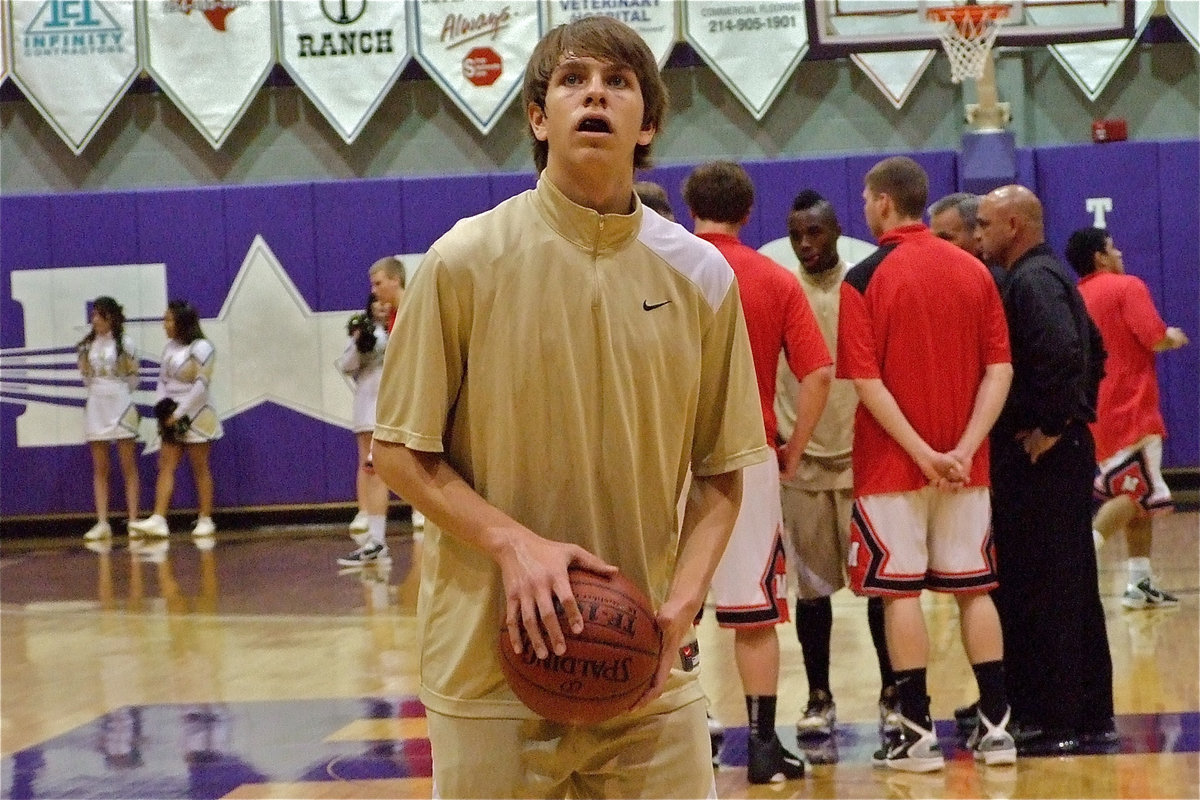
(648, 306)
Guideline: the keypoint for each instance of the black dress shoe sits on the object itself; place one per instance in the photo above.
(1038, 742)
(1100, 740)
(1102, 733)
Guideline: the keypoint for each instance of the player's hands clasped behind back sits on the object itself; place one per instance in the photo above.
(534, 572)
(947, 472)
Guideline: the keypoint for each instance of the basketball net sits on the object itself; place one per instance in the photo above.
(967, 34)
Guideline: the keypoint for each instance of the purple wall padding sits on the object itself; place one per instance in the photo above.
(354, 225)
(185, 229)
(325, 235)
(1152, 188)
(432, 206)
(1179, 371)
(1124, 172)
(776, 186)
(24, 243)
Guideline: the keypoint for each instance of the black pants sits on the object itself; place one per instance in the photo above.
(1057, 664)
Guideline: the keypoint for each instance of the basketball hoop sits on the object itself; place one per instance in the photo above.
(968, 33)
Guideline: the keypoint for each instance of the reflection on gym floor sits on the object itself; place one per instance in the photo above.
(249, 666)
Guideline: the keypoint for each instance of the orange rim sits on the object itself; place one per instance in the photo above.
(967, 18)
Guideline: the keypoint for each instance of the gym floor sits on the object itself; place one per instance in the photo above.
(254, 669)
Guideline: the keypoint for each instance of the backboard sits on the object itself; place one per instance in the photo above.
(862, 26)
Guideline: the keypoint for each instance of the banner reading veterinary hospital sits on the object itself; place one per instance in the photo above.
(753, 46)
(210, 57)
(476, 51)
(345, 56)
(73, 59)
(653, 19)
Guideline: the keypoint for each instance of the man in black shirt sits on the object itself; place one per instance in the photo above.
(1057, 662)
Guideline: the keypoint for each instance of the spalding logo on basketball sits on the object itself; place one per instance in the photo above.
(606, 668)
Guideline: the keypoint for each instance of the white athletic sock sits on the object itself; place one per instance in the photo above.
(1139, 570)
(376, 527)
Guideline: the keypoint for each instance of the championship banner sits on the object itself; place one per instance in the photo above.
(210, 57)
(655, 20)
(73, 59)
(1186, 16)
(1090, 64)
(345, 56)
(895, 74)
(476, 51)
(753, 46)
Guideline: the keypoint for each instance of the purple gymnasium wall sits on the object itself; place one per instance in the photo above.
(276, 270)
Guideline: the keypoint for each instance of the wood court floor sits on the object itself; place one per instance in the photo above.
(253, 669)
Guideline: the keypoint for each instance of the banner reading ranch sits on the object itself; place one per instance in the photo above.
(345, 56)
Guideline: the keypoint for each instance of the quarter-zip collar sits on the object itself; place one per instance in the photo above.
(584, 227)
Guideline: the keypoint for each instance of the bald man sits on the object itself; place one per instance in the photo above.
(1057, 664)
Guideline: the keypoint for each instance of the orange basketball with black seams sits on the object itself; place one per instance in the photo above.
(606, 668)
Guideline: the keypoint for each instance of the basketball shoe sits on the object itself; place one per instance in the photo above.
(819, 716)
(916, 750)
(1146, 595)
(889, 712)
(993, 744)
(771, 763)
(367, 554)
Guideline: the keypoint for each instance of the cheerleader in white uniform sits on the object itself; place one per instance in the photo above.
(110, 374)
(363, 362)
(187, 420)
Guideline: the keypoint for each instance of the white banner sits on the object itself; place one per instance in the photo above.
(345, 56)
(73, 59)
(753, 46)
(895, 74)
(476, 51)
(3, 41)
(1091, 64)
(210, 57)
(1186, 16)
(655, 20)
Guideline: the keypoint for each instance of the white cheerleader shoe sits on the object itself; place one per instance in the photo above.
(154, 525)
(101, 530)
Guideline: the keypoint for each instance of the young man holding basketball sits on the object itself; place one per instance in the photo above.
(558, 364)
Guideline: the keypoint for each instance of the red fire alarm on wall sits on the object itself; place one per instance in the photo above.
(1110, 130)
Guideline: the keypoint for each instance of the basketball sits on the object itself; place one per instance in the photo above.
(606, 668)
